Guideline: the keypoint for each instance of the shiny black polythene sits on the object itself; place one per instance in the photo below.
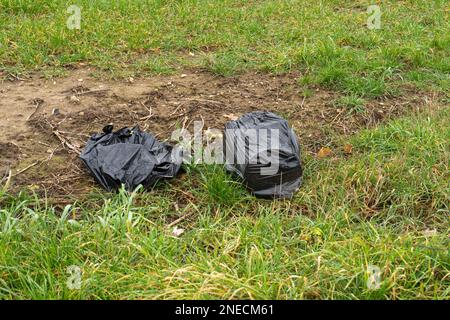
(262, 149)
(131, 157)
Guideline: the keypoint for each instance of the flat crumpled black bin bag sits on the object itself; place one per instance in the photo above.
(130, 157)
(248, 158)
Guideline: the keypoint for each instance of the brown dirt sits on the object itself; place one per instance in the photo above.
(9, 156)
(80, 105)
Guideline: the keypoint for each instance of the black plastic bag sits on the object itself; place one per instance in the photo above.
(262, 149)
(129, 156)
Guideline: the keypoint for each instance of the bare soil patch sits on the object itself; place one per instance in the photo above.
(9, 156)
(74, 107)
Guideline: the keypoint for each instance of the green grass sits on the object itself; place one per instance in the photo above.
(372, 208)
(327, 41)
(352, 103)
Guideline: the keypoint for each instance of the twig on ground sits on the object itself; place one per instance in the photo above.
(176, 109)
(27, 168)
(205, 100)
(303, 102)
(15, 77)
(6, 178)
(91, 92)
(39, 162)
(77, 134)
(37, 103)
(64, 141)
(44, 144)
(179, 219)
(150, 112)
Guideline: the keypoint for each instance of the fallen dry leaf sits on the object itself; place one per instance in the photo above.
(74, 99)
(324, 152)
(435, 169)
(213, 134)
(231, 116)
(348, 148)
(430, 232)
(177, 231)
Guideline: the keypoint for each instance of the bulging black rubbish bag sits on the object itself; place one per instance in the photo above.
(263, 150)
(131, 157)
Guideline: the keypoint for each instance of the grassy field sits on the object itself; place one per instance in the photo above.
(328, 40)
(385, 205)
